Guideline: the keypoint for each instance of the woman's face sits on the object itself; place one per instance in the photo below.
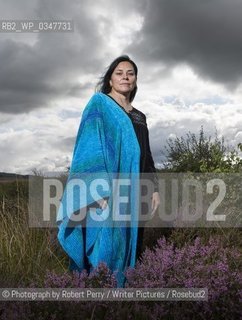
(123, 79)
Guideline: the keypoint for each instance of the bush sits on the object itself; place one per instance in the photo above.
(201, 154)
(194, 265)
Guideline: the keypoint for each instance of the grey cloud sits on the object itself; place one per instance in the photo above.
(204, 34)
(65, 144)
(76, 89)
(31, 75)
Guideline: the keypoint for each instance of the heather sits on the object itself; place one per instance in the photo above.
(195, 264)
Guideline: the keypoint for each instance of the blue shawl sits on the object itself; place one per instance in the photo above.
(106, 147)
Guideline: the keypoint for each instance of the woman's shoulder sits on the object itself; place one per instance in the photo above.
(95, 102)
(139, 112)
(99, 99)
(96, 97)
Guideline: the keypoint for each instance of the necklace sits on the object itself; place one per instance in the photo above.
(128, 109)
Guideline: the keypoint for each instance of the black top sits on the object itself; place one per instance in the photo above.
(138, 119)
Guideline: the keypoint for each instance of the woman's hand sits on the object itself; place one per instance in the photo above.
(103, 203)
(155, 202)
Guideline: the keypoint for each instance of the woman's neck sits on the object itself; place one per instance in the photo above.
(122, 100)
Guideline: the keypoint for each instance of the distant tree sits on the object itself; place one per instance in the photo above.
(201, 154)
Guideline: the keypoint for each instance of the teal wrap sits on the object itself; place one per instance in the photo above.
(106, 148)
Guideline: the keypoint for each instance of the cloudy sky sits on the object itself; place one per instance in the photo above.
(189, 54)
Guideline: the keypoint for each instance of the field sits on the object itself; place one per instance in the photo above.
(31, 256)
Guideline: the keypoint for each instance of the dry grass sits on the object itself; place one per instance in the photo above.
(25, 253)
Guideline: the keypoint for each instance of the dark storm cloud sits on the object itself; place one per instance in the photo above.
(31, 75)
(204, 34)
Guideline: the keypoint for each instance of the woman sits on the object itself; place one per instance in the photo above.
(112, 145)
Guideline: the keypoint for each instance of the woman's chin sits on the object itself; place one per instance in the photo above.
(125, 91)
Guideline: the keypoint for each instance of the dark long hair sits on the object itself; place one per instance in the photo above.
(103, 84)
